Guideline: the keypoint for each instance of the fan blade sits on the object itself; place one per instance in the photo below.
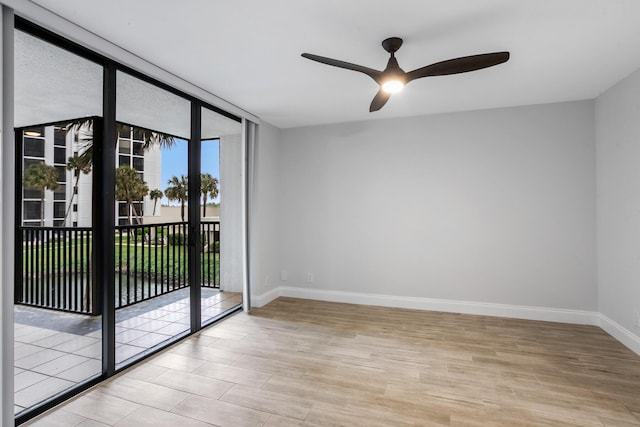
(374, 74)
(459, 65)
(379, 100)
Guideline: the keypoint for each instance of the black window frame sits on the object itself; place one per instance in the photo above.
(103, 213)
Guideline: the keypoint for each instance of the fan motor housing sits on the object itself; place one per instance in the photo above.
(392, 44)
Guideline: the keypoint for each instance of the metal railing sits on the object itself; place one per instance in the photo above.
(210, 254)
(150, 260)
(56, 269)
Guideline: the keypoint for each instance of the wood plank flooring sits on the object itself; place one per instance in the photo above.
(308, 363)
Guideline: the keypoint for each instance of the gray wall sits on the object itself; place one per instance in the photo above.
(618, 189)
(487, 206)
(263, 204)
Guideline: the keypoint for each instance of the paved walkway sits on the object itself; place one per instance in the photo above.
(54, 351)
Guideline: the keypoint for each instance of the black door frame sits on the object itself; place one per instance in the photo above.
(103, 213)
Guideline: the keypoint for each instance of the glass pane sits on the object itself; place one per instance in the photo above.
(122, 209)
(139, 209)
(52, 84)
(29, 162)
(62, 173)
(60, 193)
(138, 148)
(60, 137)
(138, 134)
(32, 210)
(31, 194)
(216, 296)
(59, 155)
(124, 131)
(138, 163)
(124, 146)
(33, 147)
(54, 300)
(152, 282)
(169, 114)
(57, 319)
(58, 209)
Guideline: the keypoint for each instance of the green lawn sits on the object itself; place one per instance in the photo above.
(166, 261)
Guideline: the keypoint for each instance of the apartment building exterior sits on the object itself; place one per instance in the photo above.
(70, 204)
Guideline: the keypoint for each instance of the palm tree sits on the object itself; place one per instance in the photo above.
(130, 188)
(208, 187)
(84, 127)
(41, 177)
(78, 165)
(177, 190)
(155, 195)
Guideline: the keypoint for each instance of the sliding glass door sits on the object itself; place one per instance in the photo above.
(130, 223)
(152, 241)
(58, 321)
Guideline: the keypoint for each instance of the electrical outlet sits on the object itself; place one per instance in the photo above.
(637, 318)
(309, 277)
(284, 276)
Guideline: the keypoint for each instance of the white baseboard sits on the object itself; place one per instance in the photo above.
(264, 299)
(451, 306)
(580, 317)
(620, 333)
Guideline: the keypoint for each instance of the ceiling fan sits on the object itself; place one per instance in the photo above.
(394, 78)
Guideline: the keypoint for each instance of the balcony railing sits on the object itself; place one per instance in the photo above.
(56, 269)
(150, 260)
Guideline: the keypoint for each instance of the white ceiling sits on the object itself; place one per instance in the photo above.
(248, 51)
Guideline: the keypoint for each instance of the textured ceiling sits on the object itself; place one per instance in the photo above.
(248, 52)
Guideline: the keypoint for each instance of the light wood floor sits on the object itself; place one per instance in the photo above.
(296, 362)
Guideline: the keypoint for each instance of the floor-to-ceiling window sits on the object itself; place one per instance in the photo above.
(129, 233)
(152, 247)
(58, 322)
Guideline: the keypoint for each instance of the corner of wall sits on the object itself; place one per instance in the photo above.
(264, 216)
(260, 300)
(617, 134)
(620, 333)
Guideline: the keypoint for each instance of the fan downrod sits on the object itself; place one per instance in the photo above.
(392, 44)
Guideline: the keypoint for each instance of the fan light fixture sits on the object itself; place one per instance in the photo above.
(392, 86)
(393, 78)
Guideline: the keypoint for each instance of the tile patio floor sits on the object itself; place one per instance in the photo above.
(54, 351)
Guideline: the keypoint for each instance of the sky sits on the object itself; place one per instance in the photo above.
(174, 162)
